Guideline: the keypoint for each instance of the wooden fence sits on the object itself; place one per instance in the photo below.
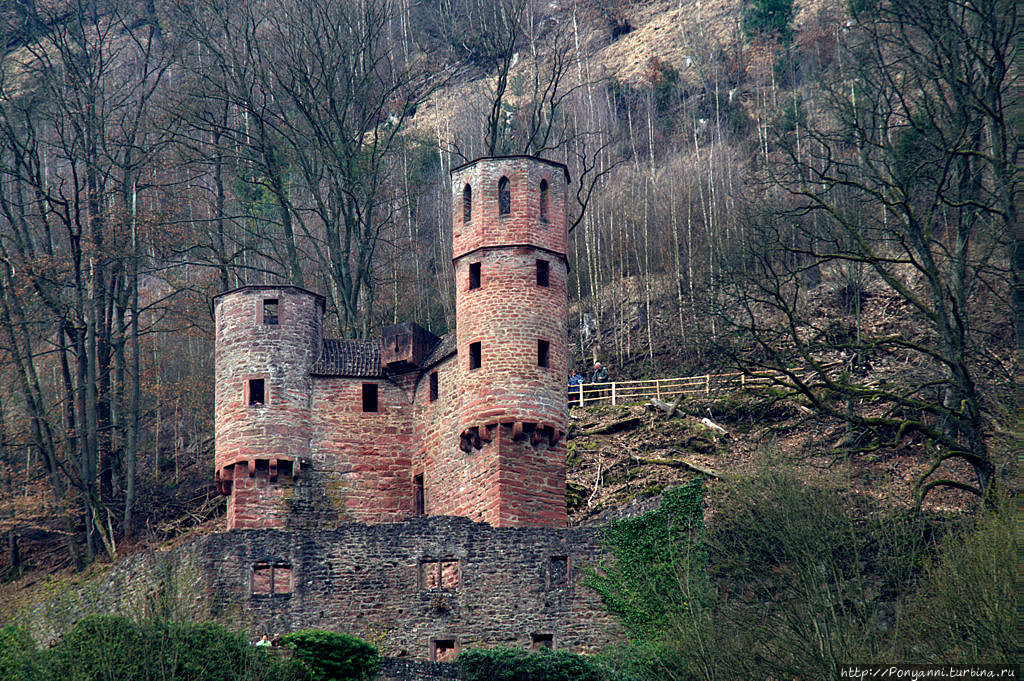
(624, 392)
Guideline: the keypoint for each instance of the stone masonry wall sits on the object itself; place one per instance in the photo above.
(502, 586)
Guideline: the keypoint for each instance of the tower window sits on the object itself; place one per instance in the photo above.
(543, 200)
(504, 197)
(543, 347)
(256, 390)
(474, 275)
(433, 386)
(543, 269)
(369, 397)
(467, 204)
(474, 355)
(419, 500)
(270, 312)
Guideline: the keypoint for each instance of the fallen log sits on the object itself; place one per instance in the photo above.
(667, 407)
(614, 427)
(683, 463)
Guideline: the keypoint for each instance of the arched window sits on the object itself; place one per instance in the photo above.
(504, 197)
(467, 204)
(543, 200)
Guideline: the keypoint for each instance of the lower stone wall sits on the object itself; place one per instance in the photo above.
(423, 589)
(397, 669)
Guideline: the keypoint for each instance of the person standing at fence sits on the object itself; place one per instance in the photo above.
(575, 391)
(600, 375)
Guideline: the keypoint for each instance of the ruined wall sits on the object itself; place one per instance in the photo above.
(412, 588)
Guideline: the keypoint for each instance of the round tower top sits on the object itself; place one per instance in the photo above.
(503, 201)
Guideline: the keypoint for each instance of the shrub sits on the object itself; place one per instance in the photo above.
(106, 648)
(516, 664)
(20, 660)
(333, 657)
(966, 610)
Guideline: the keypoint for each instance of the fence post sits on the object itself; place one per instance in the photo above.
(657, 387)
(613, 394)
(743, 381)
(707, 384)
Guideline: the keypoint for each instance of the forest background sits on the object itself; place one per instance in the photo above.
(823, 189)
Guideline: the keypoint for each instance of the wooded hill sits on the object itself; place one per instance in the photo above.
(825, 190)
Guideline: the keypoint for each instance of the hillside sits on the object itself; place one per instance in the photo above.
(742, 201)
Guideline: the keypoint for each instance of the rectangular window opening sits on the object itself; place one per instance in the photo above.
(271, 579)
(474, 275)
(370, 397)
(270, 317)
(543, 269)
(439, 574)
(558, 572)
(543, 348)
(257, 389)
(538, 641)
(475, 356)
(433, 386)
(419, 506)
(443, 650)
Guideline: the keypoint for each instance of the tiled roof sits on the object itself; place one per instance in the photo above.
(342, 357)
(441, 350)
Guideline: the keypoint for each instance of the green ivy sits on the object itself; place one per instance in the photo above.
(657, 560)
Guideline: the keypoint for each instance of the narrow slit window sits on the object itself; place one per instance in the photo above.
(474, 275)
(270, 307)
(257, 392)
(504, 196)
(543, 272)
(543, 200)
(475, 356)
(370, 397)
(467, 204)
(419, 506)
(543, 348)
(433, 386)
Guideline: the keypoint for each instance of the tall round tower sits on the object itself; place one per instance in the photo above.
(509, 243)
(267, 338)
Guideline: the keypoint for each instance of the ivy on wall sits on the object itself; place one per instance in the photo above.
(658, 562)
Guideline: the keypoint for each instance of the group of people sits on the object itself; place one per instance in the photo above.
(599, 375)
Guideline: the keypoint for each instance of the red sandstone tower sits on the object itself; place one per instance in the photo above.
(311, 433)
(509, 245)
(267, 338)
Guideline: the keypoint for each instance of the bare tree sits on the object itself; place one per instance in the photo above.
(907, 172)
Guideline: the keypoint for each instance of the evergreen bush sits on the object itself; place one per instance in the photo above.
(331, 656)
(516, 664)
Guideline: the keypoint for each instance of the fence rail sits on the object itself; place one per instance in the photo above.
(623, 392)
